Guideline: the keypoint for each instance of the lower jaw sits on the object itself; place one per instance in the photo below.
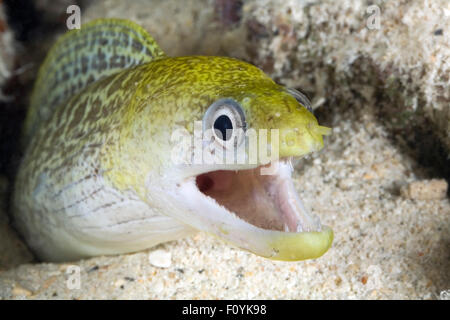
(301, 246)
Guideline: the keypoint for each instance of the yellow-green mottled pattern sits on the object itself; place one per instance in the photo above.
(115, 125)
(174, 92)
(109, 139)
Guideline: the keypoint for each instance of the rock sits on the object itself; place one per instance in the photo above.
(160, 258)
(434, 189)
(19, 291)
(399, 66)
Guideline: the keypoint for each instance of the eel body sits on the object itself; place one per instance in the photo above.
(105, 172)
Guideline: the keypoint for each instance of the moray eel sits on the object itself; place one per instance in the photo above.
(102, 136)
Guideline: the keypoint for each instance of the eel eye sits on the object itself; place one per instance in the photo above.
(223, 127)
(226, 119)
(301, 98)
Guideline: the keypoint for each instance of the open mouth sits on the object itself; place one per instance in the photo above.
(268, 202)
(259, 213)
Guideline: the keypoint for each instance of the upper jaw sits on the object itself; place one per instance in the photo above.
(260, 213)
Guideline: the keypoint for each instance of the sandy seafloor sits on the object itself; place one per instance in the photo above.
(386, 246)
